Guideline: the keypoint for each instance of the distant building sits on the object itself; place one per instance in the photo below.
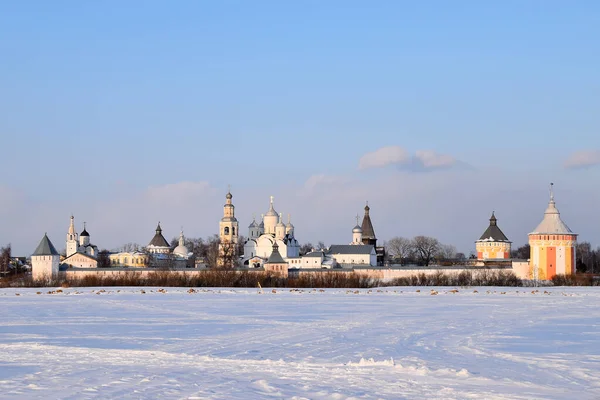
(45, 260)
(133, 259)
(276, 263)
(158, 244)
(229, 233)
(261, 238)
(493, 244)
(81, 244)
(369, 238)
(553, 245)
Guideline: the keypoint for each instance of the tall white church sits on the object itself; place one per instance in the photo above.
(262, 236)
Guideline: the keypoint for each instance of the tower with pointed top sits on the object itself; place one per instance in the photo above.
(368, 233)
(228, 234)
(493, 244)
(45, 260)
(72, 244)
(552, 245)
(158, 244)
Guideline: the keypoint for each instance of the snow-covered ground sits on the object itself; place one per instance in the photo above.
(393, 343)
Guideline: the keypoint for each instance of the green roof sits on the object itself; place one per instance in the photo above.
(45, 248)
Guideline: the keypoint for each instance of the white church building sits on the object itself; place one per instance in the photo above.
(261, 237)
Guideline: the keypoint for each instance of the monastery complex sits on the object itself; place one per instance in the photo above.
(271, 245)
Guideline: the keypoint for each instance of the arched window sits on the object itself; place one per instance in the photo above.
(226, 231)
(233, 230)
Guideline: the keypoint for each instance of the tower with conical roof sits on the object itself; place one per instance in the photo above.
(552, 245)
(45, 260)
(368, 233)
(228, 234)
(493, 244)
(276, 263)
(158, 244)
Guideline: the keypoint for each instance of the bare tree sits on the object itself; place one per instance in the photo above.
(446, 252)
(321, 245)
(5, 258)
(103, 259)
(425, 248)
(306, 248)
(401, 249)
(130, 248)
(227, 254)
(521, 253)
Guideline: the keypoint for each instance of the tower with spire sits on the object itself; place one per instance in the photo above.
(493, 244)
(228, 234)
(552, 245)
(72, 244)
(79, 243)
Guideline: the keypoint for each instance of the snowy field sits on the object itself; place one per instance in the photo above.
(392, 343)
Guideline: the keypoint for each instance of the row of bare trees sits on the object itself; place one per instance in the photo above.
(420, 250)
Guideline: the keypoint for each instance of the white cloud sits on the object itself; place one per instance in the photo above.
(383, 157)
(583, 158)
(422, 160)
(430, 159)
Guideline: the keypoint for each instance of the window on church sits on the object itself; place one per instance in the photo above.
(226, 231)
(233, 230)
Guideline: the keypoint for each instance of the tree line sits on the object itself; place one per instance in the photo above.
(420, 250)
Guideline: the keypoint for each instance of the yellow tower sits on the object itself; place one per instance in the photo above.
(493, 244)
(228, 235)
(552, 244)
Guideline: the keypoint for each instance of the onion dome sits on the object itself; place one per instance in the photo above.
(181, 249)
(85, 232)
(357, 229)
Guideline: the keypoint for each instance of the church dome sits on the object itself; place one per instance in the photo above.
(228, 196)
(253, 224)
(181, 250)
(357, 229)
(84, 233)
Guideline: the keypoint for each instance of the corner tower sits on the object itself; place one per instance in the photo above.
(552, 244)
(228, 234)
(493, 244)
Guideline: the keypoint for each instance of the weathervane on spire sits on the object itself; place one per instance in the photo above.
(272, 198)
(357, 218)
(551, 191)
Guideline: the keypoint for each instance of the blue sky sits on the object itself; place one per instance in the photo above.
(104, 103)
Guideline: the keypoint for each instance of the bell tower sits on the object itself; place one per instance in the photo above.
(228, 234)
(72, 244)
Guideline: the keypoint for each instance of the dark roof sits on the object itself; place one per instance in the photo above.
(84, 233)
(493, 233)
(367, 226)
(45, 248)
(275, 257)
(159, 240)
(350, 249)
(314, 254)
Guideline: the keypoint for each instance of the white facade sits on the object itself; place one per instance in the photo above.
(80, 260)
(271, 230)
(45, 260)
(81, 243)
